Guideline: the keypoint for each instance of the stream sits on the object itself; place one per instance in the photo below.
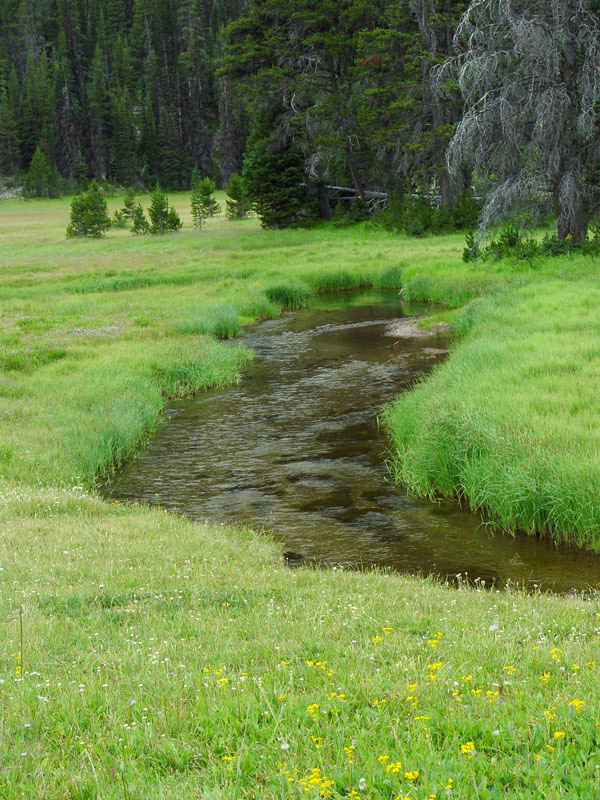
(295, 450)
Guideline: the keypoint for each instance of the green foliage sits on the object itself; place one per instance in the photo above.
(275, 181)
(41, 180)
(237, 203)
(89, 214)
(140, 224)
(419, 216)
(163, 218)
(203, 202)
(511, 243)
(472, 250)
(119, 220)
(174, 222)
(129, 204)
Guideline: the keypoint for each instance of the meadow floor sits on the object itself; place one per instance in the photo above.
(144, 656)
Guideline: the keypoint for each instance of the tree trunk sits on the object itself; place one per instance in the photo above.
(356, 179)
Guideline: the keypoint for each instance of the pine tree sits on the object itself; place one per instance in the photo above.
(122, 168)
(162, 217)
(274, 179)
(237, 204)
(129, 204)
(140, 223)
(198, 211)
(174, 222)
(204, 190)
(9, 137)
(158, 211)
(89, 214)
(41, 180)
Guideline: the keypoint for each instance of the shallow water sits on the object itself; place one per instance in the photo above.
(295, 450)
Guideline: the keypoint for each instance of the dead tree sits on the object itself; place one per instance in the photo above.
(529, 73)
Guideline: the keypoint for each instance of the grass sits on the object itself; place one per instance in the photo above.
(144, 656)
(510, 423)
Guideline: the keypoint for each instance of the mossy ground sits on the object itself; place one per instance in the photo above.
(144, 656)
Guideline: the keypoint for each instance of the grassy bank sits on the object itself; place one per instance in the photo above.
(144, 656)
(510, 423)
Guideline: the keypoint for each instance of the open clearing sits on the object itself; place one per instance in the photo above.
(127, 668)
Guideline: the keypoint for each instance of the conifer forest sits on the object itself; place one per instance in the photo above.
(437, 100)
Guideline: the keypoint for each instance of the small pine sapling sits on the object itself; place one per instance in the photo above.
(89, 214)
(140, 224)
(162, 217)
(128, 204)
(237, 202)
(203, 202)
(198, 214)
(174, 222)
(158, 211)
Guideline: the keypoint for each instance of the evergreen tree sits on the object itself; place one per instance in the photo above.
(9, 137)
(203, 189)
(122, 167)
(140, 224)
(129, 204)
(237, 203)
(162, 217)
(198, 210)
(89, 214)
(41, 180)
(275, 181)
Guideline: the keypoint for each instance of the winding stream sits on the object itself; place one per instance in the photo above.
(294, 449)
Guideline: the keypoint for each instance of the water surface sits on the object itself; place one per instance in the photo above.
(295, 449)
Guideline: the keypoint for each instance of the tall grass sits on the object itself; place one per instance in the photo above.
(509, 424)
(215, 319)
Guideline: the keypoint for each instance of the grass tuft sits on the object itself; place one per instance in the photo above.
(214, 320)
(289, 294)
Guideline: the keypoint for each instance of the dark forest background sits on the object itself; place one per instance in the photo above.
(143, 90)
(363, 102)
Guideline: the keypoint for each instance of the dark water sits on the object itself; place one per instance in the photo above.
(295, 450)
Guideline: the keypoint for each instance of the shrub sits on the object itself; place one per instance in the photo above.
(472, 250)
(89, 214)
(419, 215)
(237, 203)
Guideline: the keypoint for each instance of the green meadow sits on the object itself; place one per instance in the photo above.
(146, 656)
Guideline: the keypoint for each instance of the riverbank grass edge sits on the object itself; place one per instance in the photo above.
(147, 656)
